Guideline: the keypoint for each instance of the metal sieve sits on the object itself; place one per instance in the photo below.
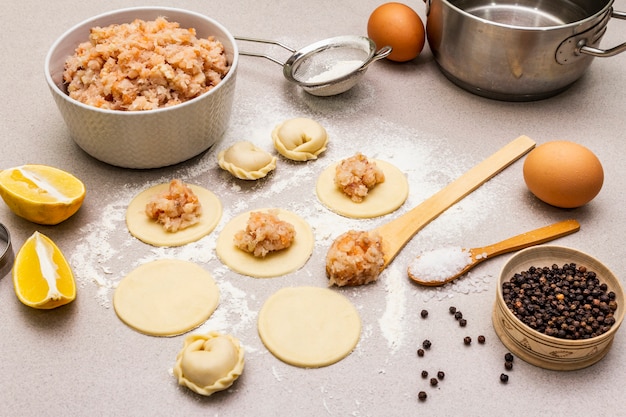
(6, 251)
(327, 67)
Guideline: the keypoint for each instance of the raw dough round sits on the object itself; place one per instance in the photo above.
(208, 363)
(153, 233)
(245, 161)
(300, 139)
(309, 327)
(383, 199)
(166, 297)
(275, 263)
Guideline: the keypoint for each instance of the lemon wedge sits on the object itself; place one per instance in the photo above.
(41, 193)
(42, 277)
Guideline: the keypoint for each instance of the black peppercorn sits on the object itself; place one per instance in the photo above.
(504, 378)
(462, 322)
(467, 340)
(458, 315)
(424, 314)
(441, 375)
(434, 381)
(481, 339)
(508, 357)
(424, 374)
(426, 344)
(567, 302)
(452, 309)
(420, 352)
(422, 396)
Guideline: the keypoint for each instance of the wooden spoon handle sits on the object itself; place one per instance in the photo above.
(534, 237)
(398, 232)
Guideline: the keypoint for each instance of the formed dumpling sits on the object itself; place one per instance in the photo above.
(246, 161)
(300, 139)
(209, 362)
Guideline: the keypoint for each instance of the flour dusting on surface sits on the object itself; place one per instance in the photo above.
(105, 252)
(393, 319)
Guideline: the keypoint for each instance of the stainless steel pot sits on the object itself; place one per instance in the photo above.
(517, 50)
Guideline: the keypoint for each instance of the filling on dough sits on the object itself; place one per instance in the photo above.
(300, 139)
(265, 233)
(355, 258)
(209, 363)
(176, 208)
(357, 175)
(246, 161)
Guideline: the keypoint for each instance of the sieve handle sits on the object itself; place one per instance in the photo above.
(266, 41)
(602, 53)
(380, 54)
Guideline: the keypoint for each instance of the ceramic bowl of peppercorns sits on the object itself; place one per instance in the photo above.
(557, 308)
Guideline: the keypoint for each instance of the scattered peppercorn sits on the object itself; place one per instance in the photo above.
(458, 315)
(567, 302)
(424, 374)
(452, 309)
(426, 344)
(481, 339)
(434, 381)
(420, 352)
(508, 357)
(441, 375)
(508, 365)
(462, 322)
(504, 378)
(422, 396)
(467, 340)
(424, 314)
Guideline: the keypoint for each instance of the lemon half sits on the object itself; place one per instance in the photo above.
(42, 277)
(41, 193)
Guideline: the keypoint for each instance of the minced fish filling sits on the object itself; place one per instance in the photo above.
(143, 65)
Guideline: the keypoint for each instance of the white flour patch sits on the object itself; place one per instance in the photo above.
(393, 319)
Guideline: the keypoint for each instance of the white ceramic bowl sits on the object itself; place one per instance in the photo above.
(538, 348)
(150, 138)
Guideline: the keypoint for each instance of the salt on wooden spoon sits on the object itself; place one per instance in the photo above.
(440, 266)
(348, 262)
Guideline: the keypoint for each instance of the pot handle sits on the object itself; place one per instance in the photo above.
(602, 53)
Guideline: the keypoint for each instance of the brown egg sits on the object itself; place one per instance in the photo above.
(399, 26)
(563, 174)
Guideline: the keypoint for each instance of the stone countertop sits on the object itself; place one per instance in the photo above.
(82, 360)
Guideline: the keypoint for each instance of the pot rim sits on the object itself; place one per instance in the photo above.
(606, 9)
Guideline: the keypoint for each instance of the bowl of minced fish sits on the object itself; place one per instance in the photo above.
(144, 87)
(557, 308)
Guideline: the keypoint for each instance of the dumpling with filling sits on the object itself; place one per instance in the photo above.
(246, 161)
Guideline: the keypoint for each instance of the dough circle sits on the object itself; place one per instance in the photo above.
(153, 233)
(309, 327)
(166, 297)
(275, 263)
(384, 198)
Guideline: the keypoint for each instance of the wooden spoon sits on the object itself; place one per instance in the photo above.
(478, 255)
(398, 232)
